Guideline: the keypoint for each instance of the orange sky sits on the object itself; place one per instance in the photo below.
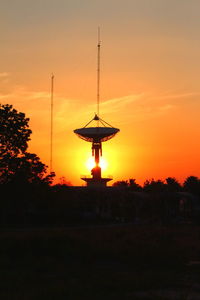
(150, 70)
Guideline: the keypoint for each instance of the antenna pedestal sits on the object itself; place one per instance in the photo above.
(96, 180)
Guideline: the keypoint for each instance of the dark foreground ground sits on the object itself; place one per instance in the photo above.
(119, 262)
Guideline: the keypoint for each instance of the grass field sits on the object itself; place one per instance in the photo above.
(122, 262)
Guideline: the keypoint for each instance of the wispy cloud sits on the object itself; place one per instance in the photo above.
(5, 96)
(139, 107)
(132, 108)
(37, 105)
(119, 102)
(178, 95)
(38, 95)
(4, 74)
(143, 106)
(166, 107)
(21, 95)
(115, 104)
(136, 106)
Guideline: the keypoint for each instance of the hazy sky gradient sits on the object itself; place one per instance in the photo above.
(150, 70)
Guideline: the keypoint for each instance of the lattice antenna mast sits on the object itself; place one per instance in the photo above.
(98, 71)
(51, 133)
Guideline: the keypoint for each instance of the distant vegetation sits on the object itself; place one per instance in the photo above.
(170, 184)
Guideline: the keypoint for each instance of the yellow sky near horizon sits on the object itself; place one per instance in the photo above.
(149, 82)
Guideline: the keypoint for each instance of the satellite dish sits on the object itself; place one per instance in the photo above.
(102, 132)
(97, 134)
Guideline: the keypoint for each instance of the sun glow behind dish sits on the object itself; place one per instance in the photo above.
(90, 163)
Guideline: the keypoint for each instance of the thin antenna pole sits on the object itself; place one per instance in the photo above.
(51, 134)
(98, 71)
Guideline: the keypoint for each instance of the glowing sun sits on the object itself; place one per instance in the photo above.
(90, 163)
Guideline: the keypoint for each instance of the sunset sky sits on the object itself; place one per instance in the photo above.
(150, 81)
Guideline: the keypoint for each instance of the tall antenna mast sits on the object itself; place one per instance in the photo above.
(51, 134)
(98, 71)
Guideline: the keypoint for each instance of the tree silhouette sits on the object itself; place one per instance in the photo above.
(173, 185)
(154, 186)
(134, 185)
(121, 183)
(128, 183)
(14, 132)
(15, 163)
(192, 185)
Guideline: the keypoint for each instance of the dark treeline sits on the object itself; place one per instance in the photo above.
(170, 184)
(28, 196)
(48, 205)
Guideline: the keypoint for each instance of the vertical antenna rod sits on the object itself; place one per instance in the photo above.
(51, 134)
(98, 71)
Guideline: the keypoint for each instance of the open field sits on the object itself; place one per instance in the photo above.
(122, 262)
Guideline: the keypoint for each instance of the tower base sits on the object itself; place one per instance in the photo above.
(92, 182)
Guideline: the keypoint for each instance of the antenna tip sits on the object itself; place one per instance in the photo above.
(99, 36)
